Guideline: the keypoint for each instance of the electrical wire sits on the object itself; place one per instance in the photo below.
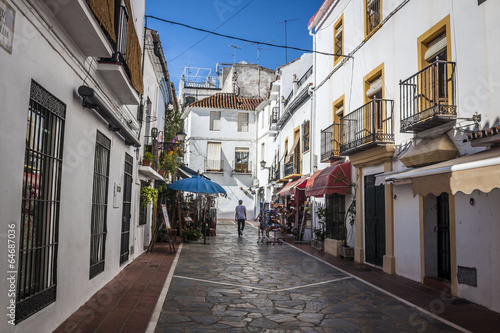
(198, 42)
(246, 40)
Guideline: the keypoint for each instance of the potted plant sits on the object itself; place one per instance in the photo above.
(147, 159)
(345, 251)
(148, 195)
(319, 233)
(190, 235)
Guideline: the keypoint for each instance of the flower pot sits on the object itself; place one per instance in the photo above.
(317, 244)
(146, 162)
(346, 252)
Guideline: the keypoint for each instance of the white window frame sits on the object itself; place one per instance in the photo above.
(243, 119)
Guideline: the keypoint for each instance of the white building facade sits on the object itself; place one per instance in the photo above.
(71, 181)
(412, 93)
(221, 132)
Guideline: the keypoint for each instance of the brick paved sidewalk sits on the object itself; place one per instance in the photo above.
(127, 302)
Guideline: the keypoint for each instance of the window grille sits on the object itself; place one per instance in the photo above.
(127, 202)
(215, 120)
(338, 42)
(99, 205)
(38, 241)
(305, 136)
(372, 15)
(335, 215)
(242, 122)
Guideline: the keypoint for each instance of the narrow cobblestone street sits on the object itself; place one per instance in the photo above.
(238, 285)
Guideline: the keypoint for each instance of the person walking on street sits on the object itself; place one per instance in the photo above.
(240, 216)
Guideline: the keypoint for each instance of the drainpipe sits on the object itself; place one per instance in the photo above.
(313, 124)
(313, 106)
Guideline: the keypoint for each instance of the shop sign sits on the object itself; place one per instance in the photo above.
(7, 18)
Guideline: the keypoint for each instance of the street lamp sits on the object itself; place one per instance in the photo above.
(263, 165)
(181, 136)
(154, 132)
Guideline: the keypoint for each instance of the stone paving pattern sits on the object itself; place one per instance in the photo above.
(235, 284)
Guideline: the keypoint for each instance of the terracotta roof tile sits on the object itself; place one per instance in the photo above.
(228, 101)
(483, 134)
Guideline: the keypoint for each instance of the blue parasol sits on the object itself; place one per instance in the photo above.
(196, 184)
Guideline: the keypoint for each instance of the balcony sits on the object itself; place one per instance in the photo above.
(287, 100)
(330, 143)
(428, 97)
(291, 167)
(77, 18)
(214, 166)
(275, 173)
(367, 127)
(304, 77)
(243, 168)
(122, 71)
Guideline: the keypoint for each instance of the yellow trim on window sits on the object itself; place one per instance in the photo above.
(337, 104)
(365, 27)
(443, 26)
(370, 77)
(339, 23)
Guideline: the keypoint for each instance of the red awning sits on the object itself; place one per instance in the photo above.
(290, 188)
(334, 179)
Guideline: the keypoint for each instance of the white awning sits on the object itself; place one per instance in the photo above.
(375, 87)
(338, 33)
(465, 174)
(340, 111)
(435, 47)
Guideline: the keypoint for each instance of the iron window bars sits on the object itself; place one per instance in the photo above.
(127, 202)
(372, 15)
(305, 136)
(39, 227)
(99, 205)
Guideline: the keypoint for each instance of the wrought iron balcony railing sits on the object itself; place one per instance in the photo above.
(275, 116)
(304, 77)
(330, 142)
(369, 125)
(246, 168)
(288, 99)
(289, 167)
(428, 97)
(275, 173)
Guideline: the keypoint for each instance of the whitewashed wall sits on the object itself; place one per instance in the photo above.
(230, 139)
(50, 58)
(478, 232)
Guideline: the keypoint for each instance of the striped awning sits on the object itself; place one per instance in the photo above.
(334, 179)
(290, 188)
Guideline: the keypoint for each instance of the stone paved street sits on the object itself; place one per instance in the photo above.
(238, 285)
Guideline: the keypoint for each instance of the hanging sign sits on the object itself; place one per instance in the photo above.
(7, 18)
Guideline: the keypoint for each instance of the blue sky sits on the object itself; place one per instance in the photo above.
(249, 19)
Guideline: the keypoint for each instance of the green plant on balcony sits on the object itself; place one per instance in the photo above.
(147, 158)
